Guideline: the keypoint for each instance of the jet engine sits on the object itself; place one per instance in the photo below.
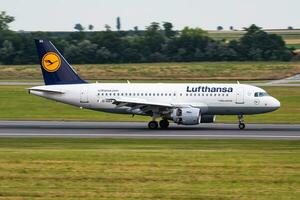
(208, 118)
(186, 116)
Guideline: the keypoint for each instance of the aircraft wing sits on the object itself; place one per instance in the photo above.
(136, 102)
(144, 106)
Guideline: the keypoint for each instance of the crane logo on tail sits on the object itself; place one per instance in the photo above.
(51, 62)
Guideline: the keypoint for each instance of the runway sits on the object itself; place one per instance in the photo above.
(140, 130)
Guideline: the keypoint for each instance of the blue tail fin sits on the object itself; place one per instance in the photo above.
(56, 70)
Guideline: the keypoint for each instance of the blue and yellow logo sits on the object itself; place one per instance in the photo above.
(51, 62)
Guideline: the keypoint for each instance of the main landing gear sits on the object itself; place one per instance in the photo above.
(164, 124)
(241, 122)
(153, 125)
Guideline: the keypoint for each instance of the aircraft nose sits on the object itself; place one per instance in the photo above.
(276, 104)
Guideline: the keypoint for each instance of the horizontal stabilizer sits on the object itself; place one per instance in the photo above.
(45, 90)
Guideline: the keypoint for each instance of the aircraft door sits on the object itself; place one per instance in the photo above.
(84, 96)
(240, 95)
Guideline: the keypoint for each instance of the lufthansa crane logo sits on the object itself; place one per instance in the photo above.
(51, 62)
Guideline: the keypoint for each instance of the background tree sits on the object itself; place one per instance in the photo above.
(7, 52)
(78, 27)
(5, 20)
(168, 29)
(91, 27)
(152, 41)
(155, 44)
(220, 28)
(118, 23)
(107, 27)
(154, 27)
(257, 44)
(189, 46)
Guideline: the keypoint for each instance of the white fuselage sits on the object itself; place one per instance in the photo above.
(212, 99)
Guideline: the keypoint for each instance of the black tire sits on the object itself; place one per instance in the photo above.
(164, 124)
(153, 125)
(242, 126)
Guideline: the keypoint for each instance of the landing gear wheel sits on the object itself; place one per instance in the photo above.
(242, 126)
(153, 125)
(241, 122)
(164, 124)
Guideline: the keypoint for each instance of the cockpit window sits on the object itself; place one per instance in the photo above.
(260, 94)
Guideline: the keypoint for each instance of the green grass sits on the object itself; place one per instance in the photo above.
(149, 169)
(167, 71)
(16, 104)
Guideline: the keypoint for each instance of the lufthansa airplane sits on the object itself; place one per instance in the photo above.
(184, 104)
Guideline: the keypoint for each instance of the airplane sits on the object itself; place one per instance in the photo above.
(182, 103)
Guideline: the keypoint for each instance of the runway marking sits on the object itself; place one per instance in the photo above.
(148, 135)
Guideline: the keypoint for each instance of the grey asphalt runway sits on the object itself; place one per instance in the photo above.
(140, 130)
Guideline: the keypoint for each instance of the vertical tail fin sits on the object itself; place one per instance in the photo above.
(56, 70)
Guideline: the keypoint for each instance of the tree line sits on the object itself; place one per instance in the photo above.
(157, 43)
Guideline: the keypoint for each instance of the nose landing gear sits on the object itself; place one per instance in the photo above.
(241, 122)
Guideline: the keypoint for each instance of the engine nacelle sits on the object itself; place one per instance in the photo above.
(208, 118)
(186, 116)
